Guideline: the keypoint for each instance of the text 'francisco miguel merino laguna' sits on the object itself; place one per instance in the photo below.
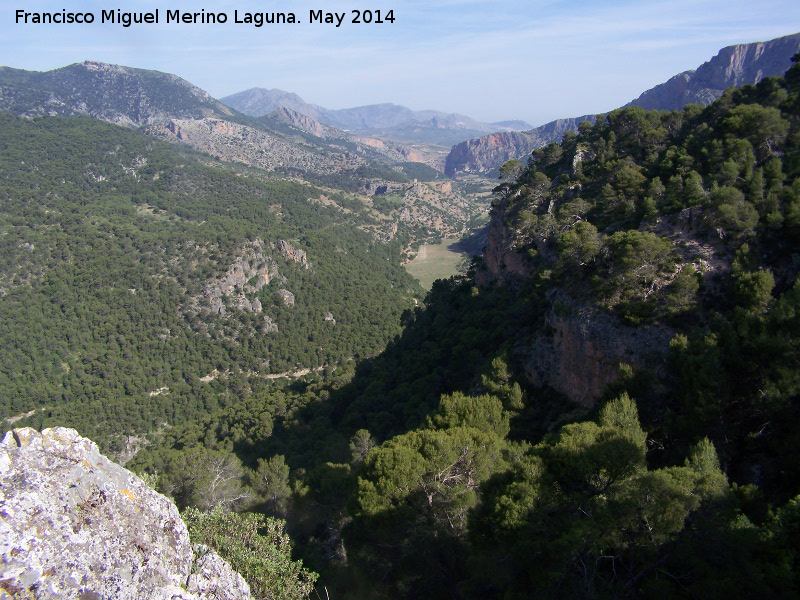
(258, 19)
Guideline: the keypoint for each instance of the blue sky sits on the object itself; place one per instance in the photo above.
(535, 60)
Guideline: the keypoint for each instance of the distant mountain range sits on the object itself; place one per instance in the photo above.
(172, 108)
(284, 142)
(733, 66)
(278, 130)
(385, 121)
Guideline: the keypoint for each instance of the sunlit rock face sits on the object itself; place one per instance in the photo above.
(73, 524)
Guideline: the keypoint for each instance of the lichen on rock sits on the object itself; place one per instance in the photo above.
(73, 524)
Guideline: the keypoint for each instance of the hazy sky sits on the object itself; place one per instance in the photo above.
(535, 60)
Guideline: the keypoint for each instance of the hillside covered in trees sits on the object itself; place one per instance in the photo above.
(437, 469)
(145, 284)
(149, 294)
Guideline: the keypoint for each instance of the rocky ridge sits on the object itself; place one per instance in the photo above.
(491, 151)
(733, 66)
(76, 525)
(113, 93)
(235, 142)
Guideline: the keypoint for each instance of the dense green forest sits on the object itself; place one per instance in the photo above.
(428, 466)
(435, 470)
(107, 236)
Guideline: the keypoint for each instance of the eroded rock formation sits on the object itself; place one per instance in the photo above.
(733, 66)
(248, 274)
(73, 524)
(491, 151)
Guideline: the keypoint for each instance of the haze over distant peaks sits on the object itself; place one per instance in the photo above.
(388, 120)
(258, 102)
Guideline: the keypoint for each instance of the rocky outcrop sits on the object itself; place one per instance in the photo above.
(286, 297)
(502, 263)
(269, 325)
(732, 67)
(246, 276)
(583, 348)
(295, 254)
(491, 151)
(287, 116)
(255, 146)
(75, 525)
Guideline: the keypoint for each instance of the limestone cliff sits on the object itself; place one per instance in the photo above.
(501, 260)
(491, 151)
(579, 349)
(733, 66)
(76, 525)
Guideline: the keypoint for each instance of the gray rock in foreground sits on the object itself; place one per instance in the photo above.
(73, 524)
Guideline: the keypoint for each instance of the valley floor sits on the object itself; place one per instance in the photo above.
(436, 261)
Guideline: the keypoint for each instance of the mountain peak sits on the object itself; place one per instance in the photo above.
(114, 93)
(733, 66)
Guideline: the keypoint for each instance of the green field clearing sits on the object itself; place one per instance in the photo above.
(435, 262)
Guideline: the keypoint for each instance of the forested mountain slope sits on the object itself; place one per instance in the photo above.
(131, 269)
(286, 143)
(172, 108)
(113, 93)
(441, 468)
(606, 406)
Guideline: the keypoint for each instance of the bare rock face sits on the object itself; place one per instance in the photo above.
(732, 66)
(290, 117)
(491, 151)
(295, 254)
(287, 297)
(269, 325)
(582, 351)
(503, 263)
(246, 276)
(73, 524)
